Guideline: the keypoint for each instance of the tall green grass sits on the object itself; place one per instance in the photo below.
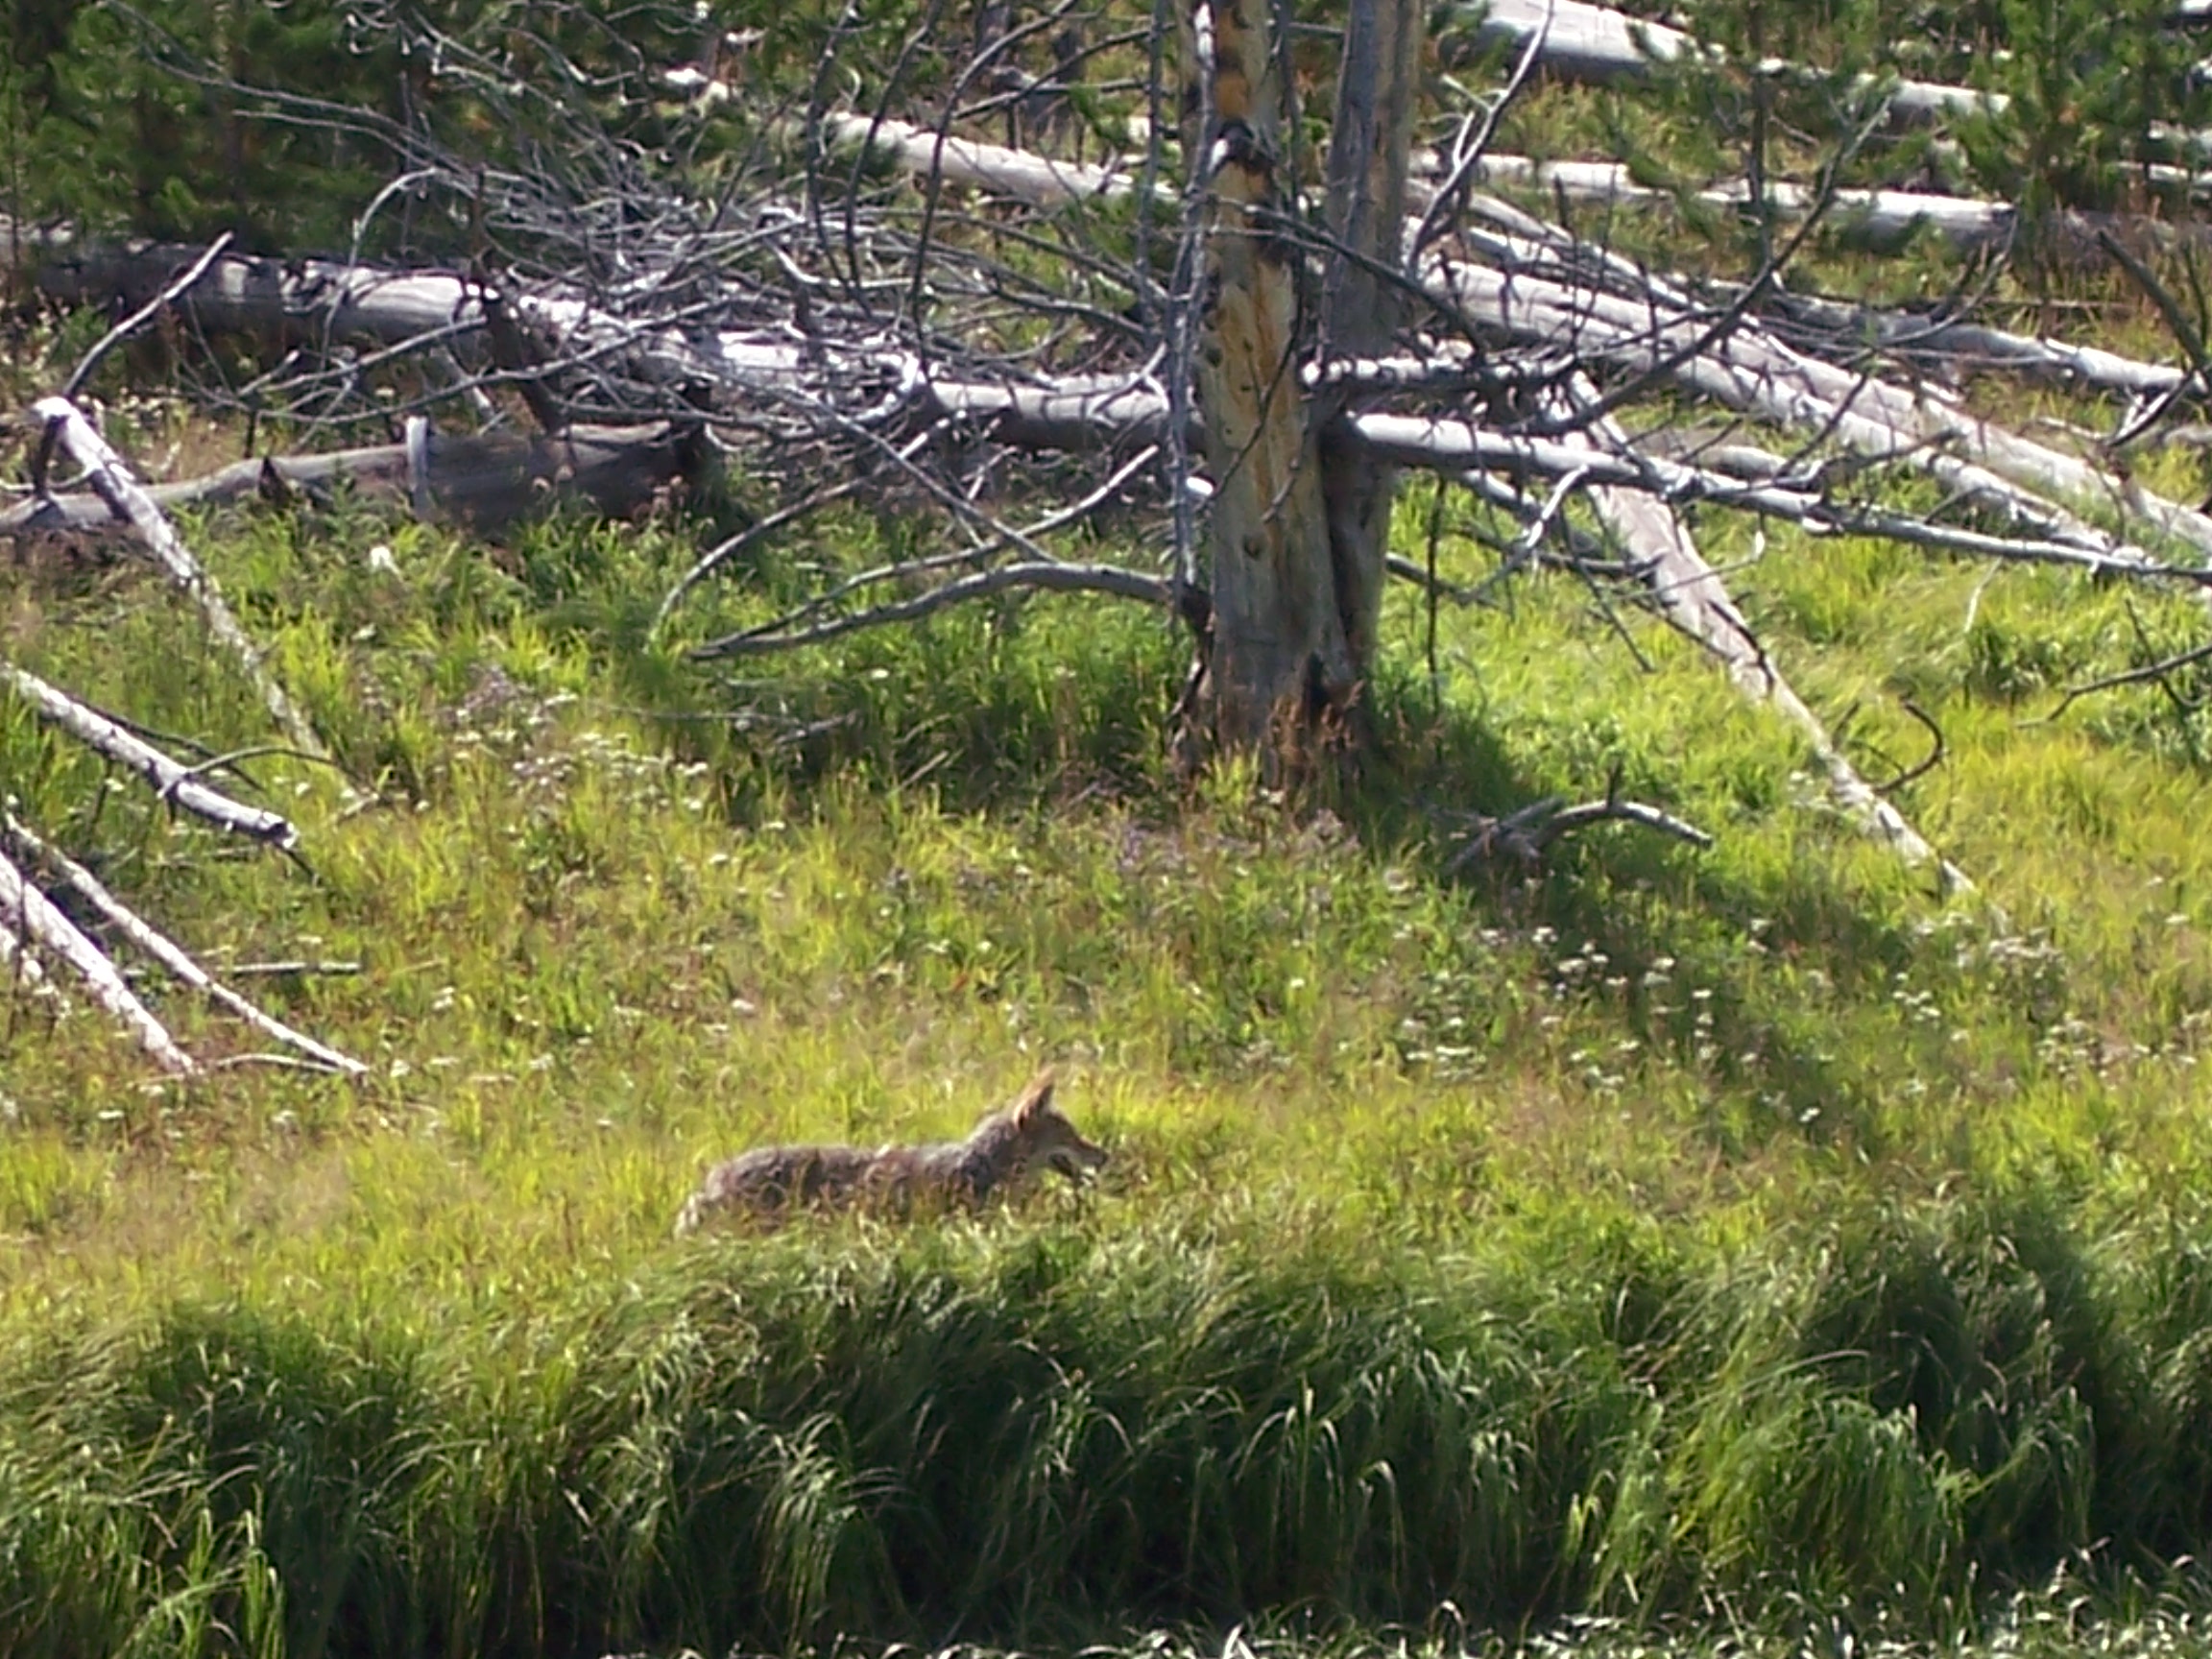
(1047, 1434)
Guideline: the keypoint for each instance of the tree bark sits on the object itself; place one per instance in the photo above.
(1370, 150)
(1299, 518)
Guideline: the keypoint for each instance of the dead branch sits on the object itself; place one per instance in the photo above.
(1583, 42)
(31, 918)
(1750, 370)
(487, 481)
(110, 479)
(162, 948)
(1914, 773)
(2176, 320)
(1526, 834)
(730, 546)
(1693, 596)
(140, 318)
(2149, 671)
(1050, 577)
(173, 781)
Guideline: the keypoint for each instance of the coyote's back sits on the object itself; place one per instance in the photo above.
(1000, 1160)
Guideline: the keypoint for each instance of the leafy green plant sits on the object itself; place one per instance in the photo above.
(2093, 95)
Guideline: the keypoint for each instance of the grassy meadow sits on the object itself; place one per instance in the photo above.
(1674, 1242)
(1657, 1251)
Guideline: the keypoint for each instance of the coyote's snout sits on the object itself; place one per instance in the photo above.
(1001, 1159)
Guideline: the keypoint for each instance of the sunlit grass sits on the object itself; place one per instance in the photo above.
(1653, 1237)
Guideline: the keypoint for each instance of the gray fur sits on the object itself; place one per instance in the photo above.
(1000, 1160)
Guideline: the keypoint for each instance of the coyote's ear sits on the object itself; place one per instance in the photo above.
(1034, 1098)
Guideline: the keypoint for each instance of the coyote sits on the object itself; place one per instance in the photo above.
(1001, 1159)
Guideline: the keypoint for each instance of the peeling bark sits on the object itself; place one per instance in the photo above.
(1276, 624)
(1301, 513)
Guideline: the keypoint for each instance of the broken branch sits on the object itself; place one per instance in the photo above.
(33, 919)
(174, 781)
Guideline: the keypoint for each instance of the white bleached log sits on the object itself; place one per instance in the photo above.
(32, 918)
(172, 956)
(1973, 346)
(1023, 175)
(1694, 597)
(484, 480)
(179, 784)
(1450, 445)
(112, 481)
(1601, 44)
(1747, 369)
(1883, 216)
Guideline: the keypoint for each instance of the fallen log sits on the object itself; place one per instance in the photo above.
(1883, 214)
(1887, 217)
(31, 918)
(1656, 331)
(1739, 364)
(153, 942)
(1693, 596)
(486, 481)
(323, 302)
(1956, 347)
(112, 481)
(175, 783)
(1599, 44)
(1022, 174)
(1445, 445)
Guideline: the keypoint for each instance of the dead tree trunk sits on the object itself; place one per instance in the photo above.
(1370, 150)
(1299, 518)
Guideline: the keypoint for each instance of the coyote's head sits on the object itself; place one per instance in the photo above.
(1044, 1139)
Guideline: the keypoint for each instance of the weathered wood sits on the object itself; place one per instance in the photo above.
(30, 916)
(1693, 596)
(1279, 639)
(1020, 174)
(149, 940)
(487, 481)
(1957, 347)
(1604, 46)
(1454, 446)
(1885, 217)
(112, 481)
(1369, 156)
(1747, 369)
(174, 783)
(1601, 44)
